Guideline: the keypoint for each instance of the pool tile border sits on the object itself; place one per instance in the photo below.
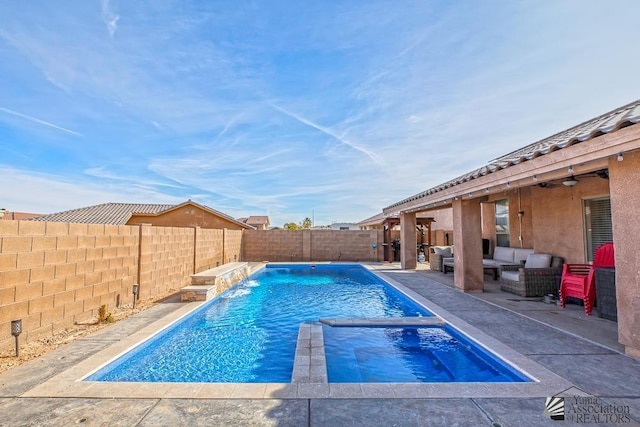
(306, 383)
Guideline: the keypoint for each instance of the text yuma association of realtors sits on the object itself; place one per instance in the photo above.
(592, 410)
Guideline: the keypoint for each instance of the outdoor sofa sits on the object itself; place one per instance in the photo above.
(540, 275)
(504, 258)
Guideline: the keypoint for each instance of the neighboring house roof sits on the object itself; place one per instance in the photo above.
(105, 213)
(203, 207)
(258, 220)
(120, 213)
(606, 123)
(343, 225)
(17, 215)
(374, 220)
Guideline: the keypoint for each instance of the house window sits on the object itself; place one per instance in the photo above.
(598, 225)
(502, 223)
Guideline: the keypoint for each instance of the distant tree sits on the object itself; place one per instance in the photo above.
(291, 226)
(306, 223)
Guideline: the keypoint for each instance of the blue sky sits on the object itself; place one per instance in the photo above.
(290, 109)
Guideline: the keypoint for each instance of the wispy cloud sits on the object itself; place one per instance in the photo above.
(110, 17)
(39, 121)
(106, 174)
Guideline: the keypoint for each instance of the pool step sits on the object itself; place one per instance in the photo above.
(210, 283)
(310, 363)
(385, 321)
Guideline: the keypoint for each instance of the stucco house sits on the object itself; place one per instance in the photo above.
(187, 214)
(343, 226)
(256, 221)
(16, 216)
(564, 195)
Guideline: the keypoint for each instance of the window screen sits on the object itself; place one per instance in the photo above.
(597, 214)
(502, 223)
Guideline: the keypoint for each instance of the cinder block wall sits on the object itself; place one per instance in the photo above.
(209, 248)
(344, 245)
(55, 274)
(312, 245)
(167, 259)
(232, 245)
(272, 245)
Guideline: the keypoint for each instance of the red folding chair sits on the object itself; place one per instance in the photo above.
(578, 280)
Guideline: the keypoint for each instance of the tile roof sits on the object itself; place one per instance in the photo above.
(120, 213)
(373, 220)
(257, 220)
(106, 213)
(606, 123)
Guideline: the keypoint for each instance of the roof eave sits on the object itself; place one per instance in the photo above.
(606, 124)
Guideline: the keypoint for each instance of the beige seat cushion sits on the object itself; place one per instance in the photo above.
(490, 263)
(503, 254)
(538, 261)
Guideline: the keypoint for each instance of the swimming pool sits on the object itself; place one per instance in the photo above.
(249, 333)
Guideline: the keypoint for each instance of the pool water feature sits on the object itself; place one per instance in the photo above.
(410, 354)
(249, 333)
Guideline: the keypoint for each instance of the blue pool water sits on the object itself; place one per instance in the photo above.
(249, 333)
(409, 354)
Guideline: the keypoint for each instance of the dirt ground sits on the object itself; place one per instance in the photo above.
(34, 349)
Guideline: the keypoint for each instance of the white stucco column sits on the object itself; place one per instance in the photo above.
(408, 241)
(467, 235)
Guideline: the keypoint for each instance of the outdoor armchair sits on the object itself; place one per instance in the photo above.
(436, 255)
(540, 275)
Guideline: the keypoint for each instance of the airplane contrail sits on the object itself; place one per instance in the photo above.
(36, 120)
(327, 131)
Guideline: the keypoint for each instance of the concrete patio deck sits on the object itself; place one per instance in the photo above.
(582, 350)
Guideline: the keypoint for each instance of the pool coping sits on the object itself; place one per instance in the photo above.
(70, 382)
